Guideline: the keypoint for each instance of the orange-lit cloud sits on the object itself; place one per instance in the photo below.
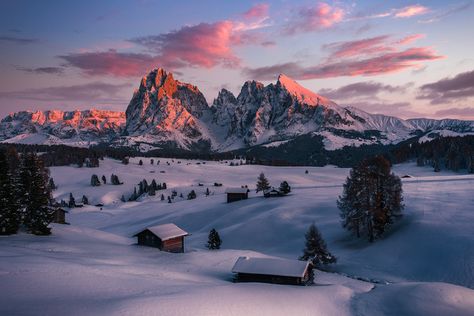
(410, 11)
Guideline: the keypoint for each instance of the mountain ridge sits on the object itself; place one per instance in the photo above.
(166, 112)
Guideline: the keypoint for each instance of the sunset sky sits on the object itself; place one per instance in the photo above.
(402, 58)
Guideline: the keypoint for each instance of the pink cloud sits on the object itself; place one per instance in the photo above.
(368, 46)
(258, 11)
(410, 11)
(321, 16)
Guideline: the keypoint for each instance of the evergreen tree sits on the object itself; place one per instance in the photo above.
(285, 187)
(140, 163)
(154, 185)
(85, 200)
(262, 183)
(191, 195)
(163, 186)
(123, 198)
(52, 185)
(36, 197)
(371, 199)
(151, 191)
(169, 199)
(72, 201)
(9, 208)
(315, 248)
(152, 161)
(214, 241)
(162, 197)
(95, 180)
(207, 192)
(125, 160)
(104, 179)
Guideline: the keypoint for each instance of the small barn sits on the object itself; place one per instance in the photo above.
(270, 270)
(59, 216)
(236, 194)
(166, 237)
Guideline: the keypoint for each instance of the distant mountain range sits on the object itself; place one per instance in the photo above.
(167, 113)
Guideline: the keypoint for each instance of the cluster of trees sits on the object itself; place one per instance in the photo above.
(114, 180)
(25, 193)
(263, 185)
(371, 198)
(144, 187)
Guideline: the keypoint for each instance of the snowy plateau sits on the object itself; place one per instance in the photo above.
(167, 113)
(93, 266)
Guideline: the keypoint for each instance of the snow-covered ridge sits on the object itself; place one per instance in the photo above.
(79, 128)
(166, 111)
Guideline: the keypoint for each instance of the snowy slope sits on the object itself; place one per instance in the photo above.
(92, 266)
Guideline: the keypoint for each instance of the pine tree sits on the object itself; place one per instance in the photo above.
(9, 208)
(95, 180)
(152, 161)
(315, 248)
(262, 183)
(72, 201)
(140, 163)
(162, 197)
(52, 185)
(123, 198)
(85, 200)
(154, 185)
(207, 192)
(285, 187)
(163, 186)
(36, 198)
(104, 179)
(191, 195)
(214, 241)
(371, 199)
(169, 199)
(151, 191)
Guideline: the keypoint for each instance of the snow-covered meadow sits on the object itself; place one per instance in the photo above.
(424, 266)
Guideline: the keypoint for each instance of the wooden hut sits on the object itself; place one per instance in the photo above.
(237, 194)
(59, 216)
(166, 237)
(270, 270)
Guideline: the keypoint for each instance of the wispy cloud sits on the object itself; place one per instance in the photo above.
(360, 89)
(449, 11)
(410, 11)
(90, 92)
(43, 70)
(18, 40)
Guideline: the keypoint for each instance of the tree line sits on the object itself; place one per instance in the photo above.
(25, 194)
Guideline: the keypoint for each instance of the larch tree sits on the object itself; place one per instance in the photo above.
(371, 198)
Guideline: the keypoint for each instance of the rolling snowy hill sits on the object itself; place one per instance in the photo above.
(424, 266)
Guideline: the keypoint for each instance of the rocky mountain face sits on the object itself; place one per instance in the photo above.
(166, 112)
(78, 128)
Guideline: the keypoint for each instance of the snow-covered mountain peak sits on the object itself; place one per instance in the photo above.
(303, 95)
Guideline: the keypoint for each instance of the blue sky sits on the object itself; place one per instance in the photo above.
(403, 58)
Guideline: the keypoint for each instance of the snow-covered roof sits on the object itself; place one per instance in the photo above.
(236, 190)
(270, 266)
(166, 231)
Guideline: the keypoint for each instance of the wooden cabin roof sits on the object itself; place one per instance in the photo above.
(236, 190)
(271, 266)
(165, 231)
